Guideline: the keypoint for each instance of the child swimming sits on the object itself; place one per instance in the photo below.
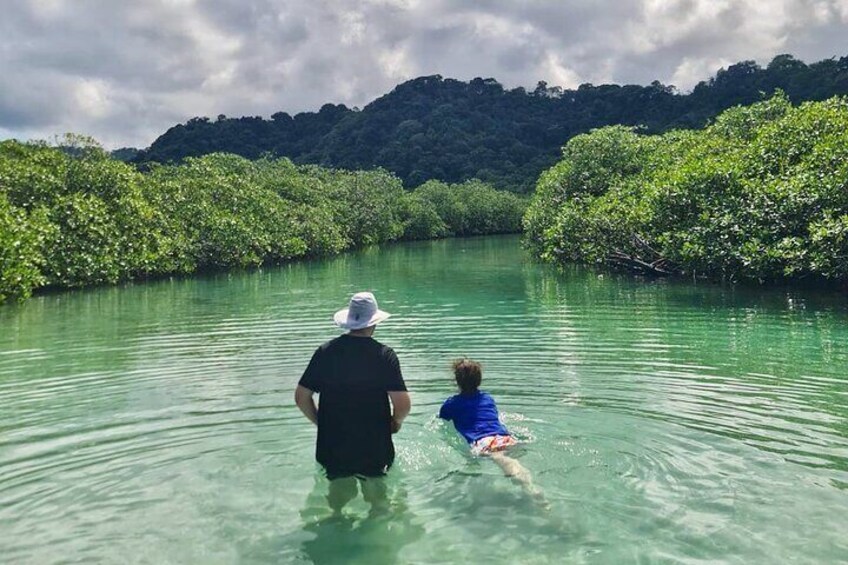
(475, 416)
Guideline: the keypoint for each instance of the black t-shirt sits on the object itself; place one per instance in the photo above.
(353, 376)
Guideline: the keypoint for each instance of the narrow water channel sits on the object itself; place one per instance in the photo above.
(665, 422)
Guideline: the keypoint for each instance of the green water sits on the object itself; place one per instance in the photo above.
(665, 422)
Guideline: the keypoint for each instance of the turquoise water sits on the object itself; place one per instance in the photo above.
(665, 422)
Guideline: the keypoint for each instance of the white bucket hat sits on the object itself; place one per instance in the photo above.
(361, 313)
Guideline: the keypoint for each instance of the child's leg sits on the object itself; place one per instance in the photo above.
(511, 467)
(519, 473)
(342, 491)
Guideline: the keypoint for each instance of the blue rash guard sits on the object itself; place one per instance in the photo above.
(474, 416)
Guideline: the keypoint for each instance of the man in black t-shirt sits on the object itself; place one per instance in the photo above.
(356, 376)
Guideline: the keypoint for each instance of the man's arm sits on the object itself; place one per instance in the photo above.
(401, 405)
(303, 399)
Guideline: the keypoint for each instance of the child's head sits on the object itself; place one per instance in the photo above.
(468, 375)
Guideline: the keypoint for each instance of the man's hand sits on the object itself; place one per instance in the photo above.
(400, 408)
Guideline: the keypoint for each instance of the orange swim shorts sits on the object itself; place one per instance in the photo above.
(491, 444)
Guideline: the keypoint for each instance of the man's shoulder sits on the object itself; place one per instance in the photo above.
(369, 345)
(383, 348)
(330, 344)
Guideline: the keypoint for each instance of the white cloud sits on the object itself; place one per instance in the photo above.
(92, 99)
(841, 7)
(692, 70)
(395, 63)
(353, 28)
(126, 71)
(559, 73)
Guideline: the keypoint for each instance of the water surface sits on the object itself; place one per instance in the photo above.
(665, 422)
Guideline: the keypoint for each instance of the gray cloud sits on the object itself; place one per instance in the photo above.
(125, 71)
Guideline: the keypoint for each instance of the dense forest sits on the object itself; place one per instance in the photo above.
(74, 216)
(757, 194)
(760, 195)
(449, 130)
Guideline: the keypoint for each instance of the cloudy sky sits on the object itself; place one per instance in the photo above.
(126, 70)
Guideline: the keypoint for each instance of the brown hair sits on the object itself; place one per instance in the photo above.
(468, 375)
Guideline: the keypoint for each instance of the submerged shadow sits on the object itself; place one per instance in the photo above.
(373, 537)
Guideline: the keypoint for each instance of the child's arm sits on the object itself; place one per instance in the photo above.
(445, 412)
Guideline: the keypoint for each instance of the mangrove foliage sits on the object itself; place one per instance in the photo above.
(759, 195)
(77, 218)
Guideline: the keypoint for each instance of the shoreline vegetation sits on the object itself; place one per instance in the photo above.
(73, 216)
(758, 196)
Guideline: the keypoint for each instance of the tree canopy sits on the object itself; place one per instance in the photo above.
(759, 195)
(433, 128)
(73, 216)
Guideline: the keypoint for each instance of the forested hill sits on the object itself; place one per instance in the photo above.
(436, 128)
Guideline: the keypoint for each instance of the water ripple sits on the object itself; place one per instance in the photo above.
(664, 422)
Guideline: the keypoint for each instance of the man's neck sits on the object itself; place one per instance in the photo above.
(364, 332)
